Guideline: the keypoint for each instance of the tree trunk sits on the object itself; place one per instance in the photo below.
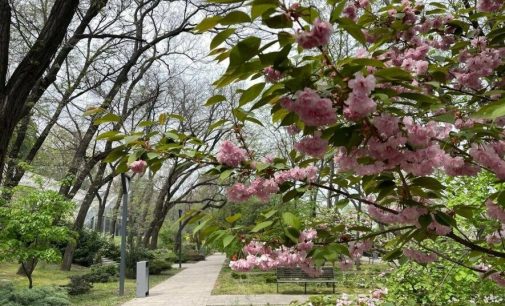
(68, 256)
(81, 216)
(115, 212)
(30, 69)
(101, 208)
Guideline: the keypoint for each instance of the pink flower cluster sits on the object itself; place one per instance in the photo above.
(496, 237)
(272, 75)
(359, 104)
(314, 146)
(138, 166)
(296, 174)
(264, 258)
(311, 108)
(261, 188)
(379, 293)
(409, 215)
(356, 249)
(479, 65)
(489, 6)
(420, 257)
(351, 9)
(495, 212)
(498, 278)
(319, 35)
(230, 155)
(490, 155)
(412, 148)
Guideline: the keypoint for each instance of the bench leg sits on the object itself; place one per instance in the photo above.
(277, 287)
(333, 288)
(305, 288)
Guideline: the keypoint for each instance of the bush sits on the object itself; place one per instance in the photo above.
(37, 296)
(88, 247)
(438, 284)
(110, 250)
(133, 256)
(79, 284)
(102, 273)
(160, 260)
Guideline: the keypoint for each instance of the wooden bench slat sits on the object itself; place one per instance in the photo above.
(297, 275)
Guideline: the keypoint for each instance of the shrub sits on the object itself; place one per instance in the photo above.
(438, 284)
(88, 248)
(110, 250)
(133, 256)
(160, 260)
(102, 273)
(79, 284)
(38, 296)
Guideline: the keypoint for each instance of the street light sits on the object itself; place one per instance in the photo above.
(125, 182)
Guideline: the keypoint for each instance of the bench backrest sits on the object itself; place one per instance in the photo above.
(297, 273)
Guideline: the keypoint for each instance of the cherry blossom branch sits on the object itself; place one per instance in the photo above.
(474, 246)
(348, 195)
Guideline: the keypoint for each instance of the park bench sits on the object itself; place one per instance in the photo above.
(297, 275)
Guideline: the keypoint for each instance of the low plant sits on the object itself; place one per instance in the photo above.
(79, 284)
(38, 296)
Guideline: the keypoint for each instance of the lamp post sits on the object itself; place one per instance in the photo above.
(180, 239)
(125, 182)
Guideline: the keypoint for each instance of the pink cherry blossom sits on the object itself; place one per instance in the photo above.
(312, 109)
(293, 129)
(490, 156)
(420, 257)
(498, 278)
(239, 193)
(230, 155)
(494, 211)
(138, 166)
(319, 35)
(272, 75)
(314, 146)
(489, 6)
(296, 174)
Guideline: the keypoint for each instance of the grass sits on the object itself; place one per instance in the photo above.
(259, 282)
(102, 294)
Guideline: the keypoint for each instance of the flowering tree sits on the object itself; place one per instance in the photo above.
(421, 99)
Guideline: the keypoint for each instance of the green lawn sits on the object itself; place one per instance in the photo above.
(102, 294)
(259, 282)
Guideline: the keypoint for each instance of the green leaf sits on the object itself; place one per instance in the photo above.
(225, 174)
(269, 214)
(244, 50)
(251, 93)
(208, 23)
(491, 110)
(392, 255)
(220, 38)
(109, 117)
(108, 135)
(214, 100)
(353, 29)
(291, 220)
(278, 21)
(234, 218)
(234, 18)
(115, 154)
(393, 73)
(428, 182)
(261, 226)
(227, 240)
(217, 124)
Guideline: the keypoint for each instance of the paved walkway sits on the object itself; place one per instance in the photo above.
(193, 286)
